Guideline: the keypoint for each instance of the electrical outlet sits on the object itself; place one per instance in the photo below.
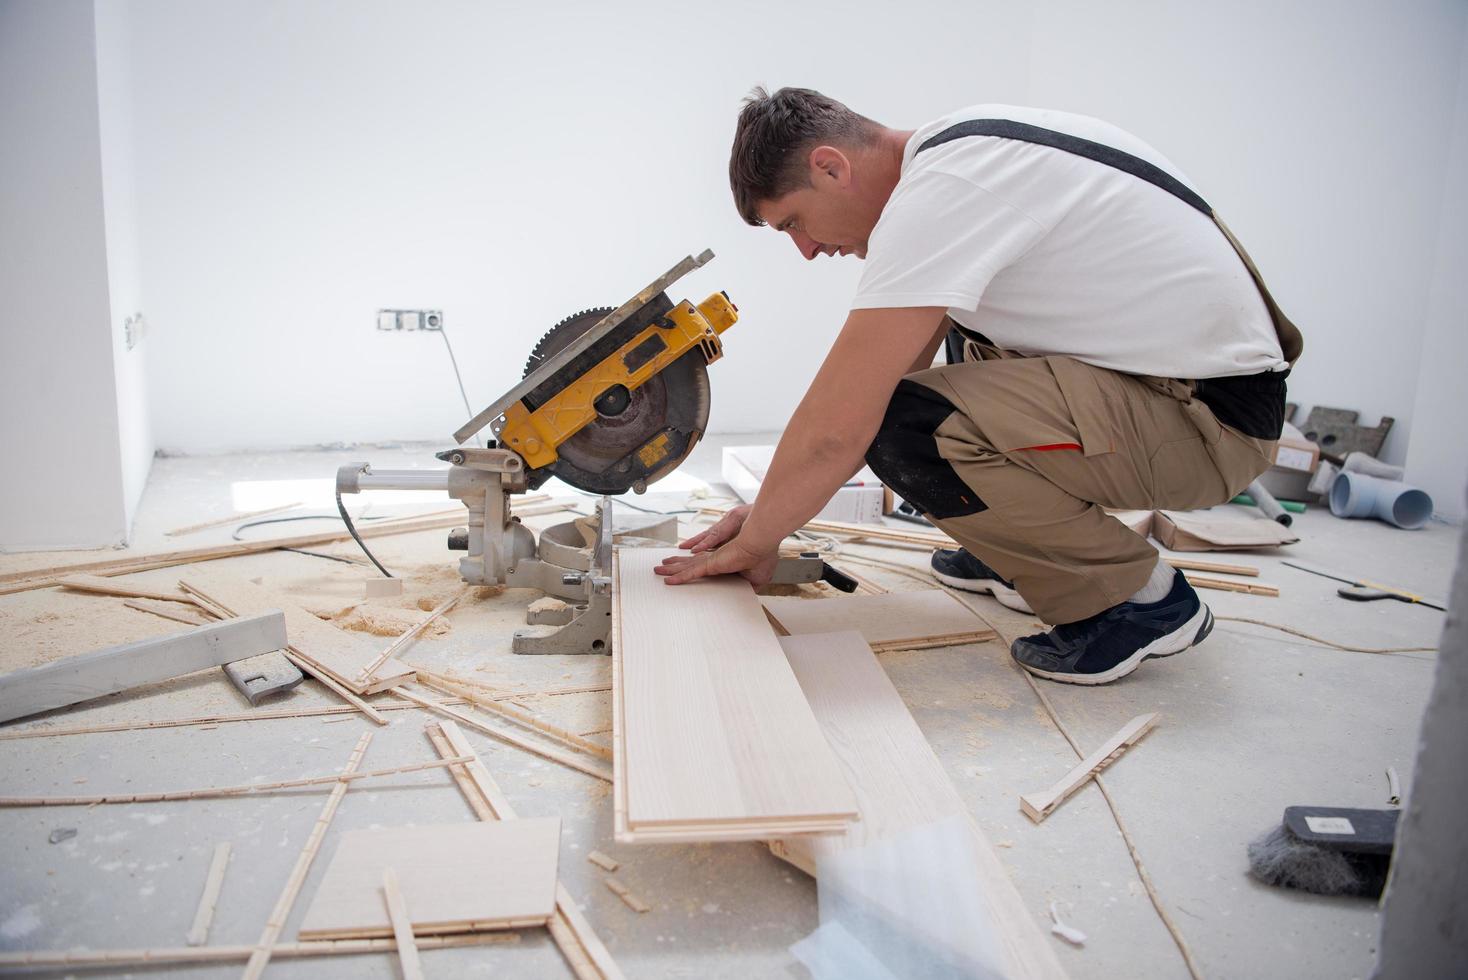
(133, 330)
(410, 319)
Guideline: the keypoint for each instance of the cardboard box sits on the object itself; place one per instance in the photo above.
(1203, 530)
(863, 501)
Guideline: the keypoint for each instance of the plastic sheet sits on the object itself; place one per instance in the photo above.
(907, 906)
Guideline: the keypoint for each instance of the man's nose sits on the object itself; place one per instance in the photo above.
(807, 245)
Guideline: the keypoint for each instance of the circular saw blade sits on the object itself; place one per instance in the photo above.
(602, 456)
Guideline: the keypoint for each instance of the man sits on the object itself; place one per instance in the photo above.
(1118, 350)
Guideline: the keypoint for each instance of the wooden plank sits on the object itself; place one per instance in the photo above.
(217, 792)
(204, 915)
(584, 951)
(265, 946)
(330, 649)
(99, 585)
(368, 673)
(894, 621)
(230, 519)
(40, 578)
(179, 612)
(402, 926)
(461, 877)
(628, 897)
(554, 753)
(1038, 806)
(602, 861)
(446, 686)
(715, 738)
(101, 672)
(899, 783)
(48, 731)
(172, 956)
(1197, 565)
(1228, 585)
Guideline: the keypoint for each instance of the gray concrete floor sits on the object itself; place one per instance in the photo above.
(1252, 721)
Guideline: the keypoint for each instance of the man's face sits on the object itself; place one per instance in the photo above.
(828, 217)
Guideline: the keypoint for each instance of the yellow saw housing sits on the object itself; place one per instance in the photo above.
(535, 435)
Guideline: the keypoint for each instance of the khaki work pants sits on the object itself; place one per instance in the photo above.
(1016, 457)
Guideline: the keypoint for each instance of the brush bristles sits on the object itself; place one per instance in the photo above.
(1280, 858)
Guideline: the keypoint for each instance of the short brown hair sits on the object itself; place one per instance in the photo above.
(773, 137)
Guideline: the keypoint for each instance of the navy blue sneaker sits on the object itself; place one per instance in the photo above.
(1114, 643)
(958, 568)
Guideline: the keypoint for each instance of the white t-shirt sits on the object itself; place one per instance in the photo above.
(1047, 252)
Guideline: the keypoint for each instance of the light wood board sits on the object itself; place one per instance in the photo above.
(335, 652)
(584, 951)
(461, 877)
(899, 783)
(100, 672)
(895, 621)
(715, 739)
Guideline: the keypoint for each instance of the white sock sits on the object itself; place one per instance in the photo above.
(1158, 585)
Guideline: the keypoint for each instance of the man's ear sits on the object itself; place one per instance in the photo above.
(828, 165)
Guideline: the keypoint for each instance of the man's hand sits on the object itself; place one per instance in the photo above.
(731, 558)
(722, 532)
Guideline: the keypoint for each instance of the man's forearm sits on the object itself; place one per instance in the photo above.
(808, 468)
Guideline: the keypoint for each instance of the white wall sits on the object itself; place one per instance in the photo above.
(124, 282)
(299, 165)
(1438, 458)
(61, 477)
(302, 165)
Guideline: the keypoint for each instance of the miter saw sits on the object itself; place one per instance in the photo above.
(611, 400)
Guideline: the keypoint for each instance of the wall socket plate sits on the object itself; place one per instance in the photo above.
(410, 319)
(133, 330)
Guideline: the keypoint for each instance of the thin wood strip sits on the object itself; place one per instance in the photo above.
(231, 519)
(168, 956)
(579, 944)
(42, 731)
(176, 611)
(214, 792)
(1038, 806)
(1225, 585)
(41, 578)
(204, 915)
(477, 803)
(47, 577)
(331, 685)
(265, 946)
(369, 672)
(501, 694)
(930, 643)
(552, 752)
(445, 686)
(1194, 970)
(602, 861)
(98, 585)
(1197, 565)
(628, 898)
(402, 926)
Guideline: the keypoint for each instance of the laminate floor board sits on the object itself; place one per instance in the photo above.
(900, 784)
(716, 740)
(337, 653)
(894, 621)
(454, 878)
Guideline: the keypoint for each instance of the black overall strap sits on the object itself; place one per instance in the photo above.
(1109, 155)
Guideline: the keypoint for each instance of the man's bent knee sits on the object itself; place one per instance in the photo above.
(904, 455)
